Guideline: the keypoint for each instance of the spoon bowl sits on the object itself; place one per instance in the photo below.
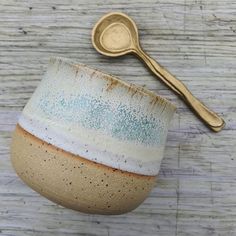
(115, 34)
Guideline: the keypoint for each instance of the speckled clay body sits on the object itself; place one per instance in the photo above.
(89, 141)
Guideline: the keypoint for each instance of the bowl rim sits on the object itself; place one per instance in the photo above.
(116, 80)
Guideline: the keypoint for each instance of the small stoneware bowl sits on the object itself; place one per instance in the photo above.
(89, 141)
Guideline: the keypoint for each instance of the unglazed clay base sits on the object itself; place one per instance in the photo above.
(75, 182)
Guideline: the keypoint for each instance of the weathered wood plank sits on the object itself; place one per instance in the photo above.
(195, 40)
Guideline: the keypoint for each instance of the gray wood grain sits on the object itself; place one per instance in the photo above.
(196, 40)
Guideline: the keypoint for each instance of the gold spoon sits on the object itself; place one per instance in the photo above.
(116, 34)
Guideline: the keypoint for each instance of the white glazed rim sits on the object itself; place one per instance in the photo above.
(110, 77)
(107, 76)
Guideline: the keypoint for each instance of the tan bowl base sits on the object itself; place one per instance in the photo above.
(73, 181)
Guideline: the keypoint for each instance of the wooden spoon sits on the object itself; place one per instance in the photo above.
(116, 34)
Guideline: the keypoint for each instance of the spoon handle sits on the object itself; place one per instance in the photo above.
(210, 118)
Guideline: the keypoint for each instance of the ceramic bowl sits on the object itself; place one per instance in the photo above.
(89, 141)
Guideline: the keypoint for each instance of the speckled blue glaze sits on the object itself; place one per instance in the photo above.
(122, 123)
(99, 117)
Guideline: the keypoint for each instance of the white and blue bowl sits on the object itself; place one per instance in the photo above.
(89, 141)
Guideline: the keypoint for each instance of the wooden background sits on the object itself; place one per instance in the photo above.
(196, 40)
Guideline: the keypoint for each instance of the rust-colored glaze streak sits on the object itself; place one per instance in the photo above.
(112, 85)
